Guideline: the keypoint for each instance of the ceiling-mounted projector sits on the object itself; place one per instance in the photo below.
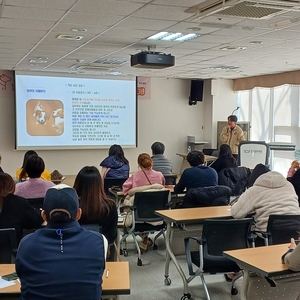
(152, 60)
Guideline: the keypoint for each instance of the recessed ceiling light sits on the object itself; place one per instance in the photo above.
(158, 36)
(170, 36)
(79, 29)
(187, 37)
(38, 60)
(231, 48)
(69, 37)
(116, 73)
(193, 28)
(223, 68)
(256, 43)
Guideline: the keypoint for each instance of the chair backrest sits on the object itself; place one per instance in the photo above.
(146, 203)
(282, 228)
(170, 179)
(36, 203)
(113, 182)
(8, 245)
(225, 234)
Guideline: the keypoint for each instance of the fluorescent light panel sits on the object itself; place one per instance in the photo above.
(170, 36)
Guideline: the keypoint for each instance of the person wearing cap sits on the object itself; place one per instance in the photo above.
(62, 260)
(160, 162)
(232, 135)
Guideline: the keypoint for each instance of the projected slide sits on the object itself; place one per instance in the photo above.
(58, 112)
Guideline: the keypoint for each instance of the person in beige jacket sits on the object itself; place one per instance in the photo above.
(271, 194)
(232, 135)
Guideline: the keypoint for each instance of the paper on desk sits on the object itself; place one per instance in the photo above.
(5, 283)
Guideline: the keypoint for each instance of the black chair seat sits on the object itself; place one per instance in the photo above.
(8, 245)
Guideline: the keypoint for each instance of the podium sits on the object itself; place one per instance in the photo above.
(191, 141)
(253, 153)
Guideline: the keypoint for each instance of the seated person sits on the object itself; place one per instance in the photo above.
(35, 186)
(115, 165)
(225, 159)
(1, 170)
(15, 212)
(271, 194)
(293, 168)
(21, 174)
(295, 181)
(292, 257)
(197, 176)
(160, 162)
(62, 260)
(258, 170)
(96, 207)
(142, 180)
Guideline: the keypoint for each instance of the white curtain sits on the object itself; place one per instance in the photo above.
(274, 117)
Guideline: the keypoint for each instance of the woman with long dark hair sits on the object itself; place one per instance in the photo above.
(115, 165)
(225, 159)
(15, 212)
(96, 207)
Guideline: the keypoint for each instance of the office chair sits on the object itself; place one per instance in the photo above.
(113, 182)
(36, 203)
(8, 245)
(281, 228)
(218, 235)
(143, 213)
(170, 179)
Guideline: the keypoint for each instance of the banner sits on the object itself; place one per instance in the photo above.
(144, 88)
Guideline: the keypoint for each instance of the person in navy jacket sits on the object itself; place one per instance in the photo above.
(62, 260)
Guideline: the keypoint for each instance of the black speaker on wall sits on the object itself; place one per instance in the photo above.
(196, 93)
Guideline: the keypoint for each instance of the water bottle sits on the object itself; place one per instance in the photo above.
(189, 149)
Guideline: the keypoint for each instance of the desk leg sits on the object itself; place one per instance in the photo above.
(171, 255)
(245, 284)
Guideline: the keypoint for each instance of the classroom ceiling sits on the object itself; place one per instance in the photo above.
(254, 38)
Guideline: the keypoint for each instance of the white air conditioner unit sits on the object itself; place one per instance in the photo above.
(249, 9)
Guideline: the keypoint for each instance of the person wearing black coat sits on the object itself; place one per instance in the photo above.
(15, 212)
(225, 159)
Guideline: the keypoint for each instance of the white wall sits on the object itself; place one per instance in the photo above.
(167, 118)
(224, 102)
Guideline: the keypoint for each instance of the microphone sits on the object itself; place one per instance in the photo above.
(235, 110)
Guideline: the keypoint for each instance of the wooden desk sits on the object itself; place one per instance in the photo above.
(264, 261)
(184, 164)
(188, 216)
(117, 283)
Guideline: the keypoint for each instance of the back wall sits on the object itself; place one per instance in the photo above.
(167, 117)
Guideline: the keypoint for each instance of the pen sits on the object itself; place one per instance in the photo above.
(107, 273)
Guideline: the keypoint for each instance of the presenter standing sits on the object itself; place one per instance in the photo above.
(232, 135)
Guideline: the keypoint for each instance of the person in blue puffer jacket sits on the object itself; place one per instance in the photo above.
(115, 165)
